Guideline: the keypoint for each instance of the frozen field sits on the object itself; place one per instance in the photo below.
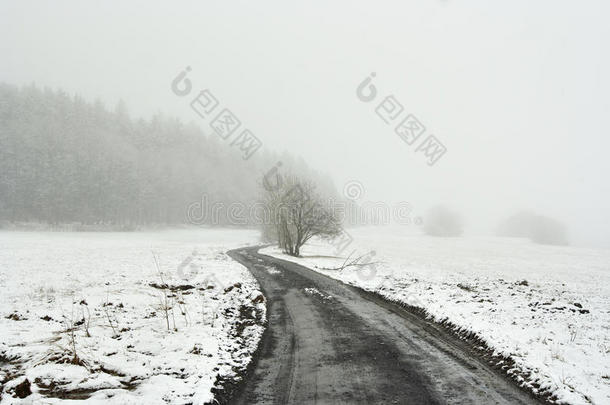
(545, 307)
(139, 337)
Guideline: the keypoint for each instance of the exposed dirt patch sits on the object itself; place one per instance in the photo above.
(172, 288)
(16, 317)
(23, 390)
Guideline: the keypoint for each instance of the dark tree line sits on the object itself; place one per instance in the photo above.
(65, 160)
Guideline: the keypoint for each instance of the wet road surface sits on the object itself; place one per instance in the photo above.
(329, 343)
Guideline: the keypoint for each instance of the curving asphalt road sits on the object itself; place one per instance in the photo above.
(329, 343)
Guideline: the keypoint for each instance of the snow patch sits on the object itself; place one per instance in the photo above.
(107, 284)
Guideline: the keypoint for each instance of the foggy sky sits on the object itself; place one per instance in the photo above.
(517, 91)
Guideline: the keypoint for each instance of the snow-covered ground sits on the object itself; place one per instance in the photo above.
(546, 307)
(56, 287)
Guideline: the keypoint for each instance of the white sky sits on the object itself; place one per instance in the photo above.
(516, 90)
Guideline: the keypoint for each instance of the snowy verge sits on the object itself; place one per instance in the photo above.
(541, 312)
(90, 318)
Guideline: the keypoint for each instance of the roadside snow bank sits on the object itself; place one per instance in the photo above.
(88, 318)
(546, 308)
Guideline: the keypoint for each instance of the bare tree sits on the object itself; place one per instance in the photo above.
(297, 215)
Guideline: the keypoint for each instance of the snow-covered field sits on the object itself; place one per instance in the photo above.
(139, 337)
(546, 307)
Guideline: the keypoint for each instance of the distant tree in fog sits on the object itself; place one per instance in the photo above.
(441, 221)
(538, 228)
(296, 214)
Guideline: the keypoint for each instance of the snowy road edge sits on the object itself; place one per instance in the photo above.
(231, 389)
(463, 339)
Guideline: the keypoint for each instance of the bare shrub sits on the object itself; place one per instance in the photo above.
(537, 228)
(165, 298)
(441, 221)
(87, 318)
(70, 327)
(107, 305)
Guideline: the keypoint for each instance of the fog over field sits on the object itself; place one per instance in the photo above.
(516, 92)
(316, 202)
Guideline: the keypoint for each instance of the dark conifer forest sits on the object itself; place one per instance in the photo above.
(67, 160)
